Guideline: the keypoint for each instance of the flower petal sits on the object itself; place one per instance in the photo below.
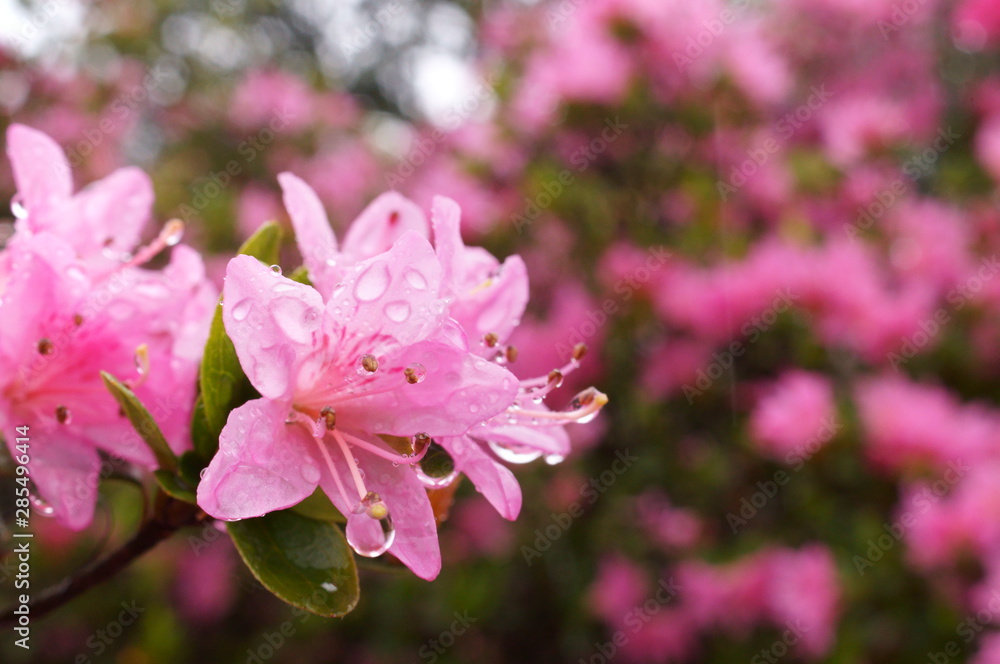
(549, 439)
(274, 323)
(456, 391)
(108, 213)
(262, 465)
(64, 469)
(494, 480)
(388, 301)
(41, 172)
(416, 543)
(382, 223)
(313, 233)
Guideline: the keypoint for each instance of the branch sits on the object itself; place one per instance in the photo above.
(168, 517)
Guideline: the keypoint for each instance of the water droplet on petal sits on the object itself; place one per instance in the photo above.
(276, 269)
(515, 453)
(398, 311)
(17, 207)
(553, 459)
(202, 473)
(372, 283)
(414, 278)
(241, 309)
(41, 507)
(328, 587)
(369, 527)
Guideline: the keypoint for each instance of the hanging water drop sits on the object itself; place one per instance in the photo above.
(515, 453)
(173, 232)
(369, 527)
(276, 269)
(17, 207)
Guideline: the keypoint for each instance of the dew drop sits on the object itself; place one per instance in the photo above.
(397, 311)
(42, 508)
(202, 473)
(328, 587)
(515, 453)
(369, 527)
(414, 278)
(173, 232)
(276, 269)
(372, 283)
(241, 310)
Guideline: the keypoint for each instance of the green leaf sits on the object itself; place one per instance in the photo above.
(205, 444)
(301, 275)
(318, 506)
(190, 465)
(142, 421)
(174, 486)
(223, 384)
(305, 562)
(265, 244)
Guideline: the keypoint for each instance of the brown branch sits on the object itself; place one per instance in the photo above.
(168, 517)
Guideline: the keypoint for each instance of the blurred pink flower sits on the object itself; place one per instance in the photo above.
(794, 412)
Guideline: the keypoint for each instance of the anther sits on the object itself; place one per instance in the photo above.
(62, 414)
(555, 378)
(77, 320)
(420, 443)
(45, 347)
(579, 351)
(490, 339)
(411, 375)
(511, 353)
(329, 416)
(369, 363)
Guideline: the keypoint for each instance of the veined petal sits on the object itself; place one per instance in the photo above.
(274, 323)
(108, 213)
(41, 172)
(381, 224)
(263, 464)
(455, 390)
(494, 480)
(313, 234)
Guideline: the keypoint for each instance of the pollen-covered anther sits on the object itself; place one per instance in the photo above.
(45, 347)
(555, 378)
(62, 414)
(579, 351)
(490, 339)
(369, 363)
(329, 417)
(511, 353)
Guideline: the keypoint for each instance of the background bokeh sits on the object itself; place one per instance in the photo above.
(774, 223)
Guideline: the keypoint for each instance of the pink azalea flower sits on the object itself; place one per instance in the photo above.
(376, 356)
(69, 309)
(486, 300)
(795, 413)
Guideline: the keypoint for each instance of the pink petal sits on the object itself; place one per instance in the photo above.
(382, 223)
(488, 299)
(548, 439)
(108, 213)
(262, 465)
(41, 172)
(457, 391)
(494, 480)
(65, 471)
(388, 301)
(274, 323)
(313, 233)
(416, 543)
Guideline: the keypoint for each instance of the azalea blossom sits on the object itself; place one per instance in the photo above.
(74, 301)
(377, 350)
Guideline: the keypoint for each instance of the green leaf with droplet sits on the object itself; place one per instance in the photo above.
(142, 421)
(223, 384)
(305, 562)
